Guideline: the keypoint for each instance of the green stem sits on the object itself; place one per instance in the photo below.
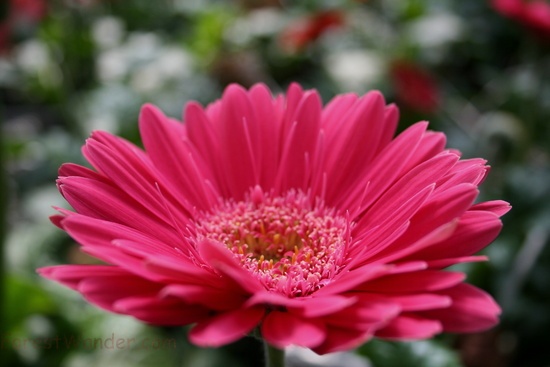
(3, 225)
(274, 357)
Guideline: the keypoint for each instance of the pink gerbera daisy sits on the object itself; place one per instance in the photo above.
(312, 224)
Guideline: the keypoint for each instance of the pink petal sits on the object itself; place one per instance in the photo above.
(181, 272)
(205, 138)
(348, 280)
(407, 327)
(226, 327)
(356, 140)
(221, 259)
(93, 233)
(475, 230)
(410, 184)
(57, 220)
(269, 119)
(398, 252)
(167, 312)
(339, 339)
(432, 144)
(392, 223)
(133, 175)
(426, 280)
(127, 262)
(105, 291)
(282, 329)
(472, 310)
(437, 215)
(71, 169)
(102, 201)
(239, 141)
(443, 263)
(164, 142)
(498, 207)
(420, 302)
(365, 314)
(391, 120)
(321, 306)
(100, 284)
(471, 171)
(71, 275)
(309, 307)
(386, 168)
(294, 96)
(299, 144)
(213, 298)
(334, 110)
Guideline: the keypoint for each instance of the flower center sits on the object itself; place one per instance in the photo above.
(291, 245)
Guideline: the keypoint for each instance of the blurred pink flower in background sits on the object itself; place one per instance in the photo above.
(312, 223)
(304, 31)
(415, 87)
(20, 13)
(534, 14)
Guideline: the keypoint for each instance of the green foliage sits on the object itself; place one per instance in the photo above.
(412, 354)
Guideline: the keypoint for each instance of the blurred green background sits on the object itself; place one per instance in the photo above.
(68, 67)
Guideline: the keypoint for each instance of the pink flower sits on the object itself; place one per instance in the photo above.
(534, 14)
(415, 87)
(313, 224)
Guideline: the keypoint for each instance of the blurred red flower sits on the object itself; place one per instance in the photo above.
(534, 14)
(306, 30)
(20, 13)
(415, 87)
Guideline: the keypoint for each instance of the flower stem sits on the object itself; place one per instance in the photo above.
(274, 357)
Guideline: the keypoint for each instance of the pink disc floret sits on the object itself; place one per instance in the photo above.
(290, 244)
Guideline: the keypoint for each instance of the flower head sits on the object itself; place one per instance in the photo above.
(313, 224)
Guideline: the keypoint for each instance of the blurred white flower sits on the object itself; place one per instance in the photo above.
(435, 30)
(304, 357)
(147, 79)
(142, 47)
(32, 56)
(355, 70)
(106, 122)
(500, 124)
(108, 32)
(174, 62)
(112, 65)
(7, 71)
(35, 59)
(258, 23)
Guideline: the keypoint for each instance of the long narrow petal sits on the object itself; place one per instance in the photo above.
(408, 327)
(226, 327)
(471, 310)
(282, 329)
(220, 258)
(164, 141)
(168, 312)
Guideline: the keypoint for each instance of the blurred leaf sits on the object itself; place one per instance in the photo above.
(411, 354)
(208, 33)
(24, 298)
